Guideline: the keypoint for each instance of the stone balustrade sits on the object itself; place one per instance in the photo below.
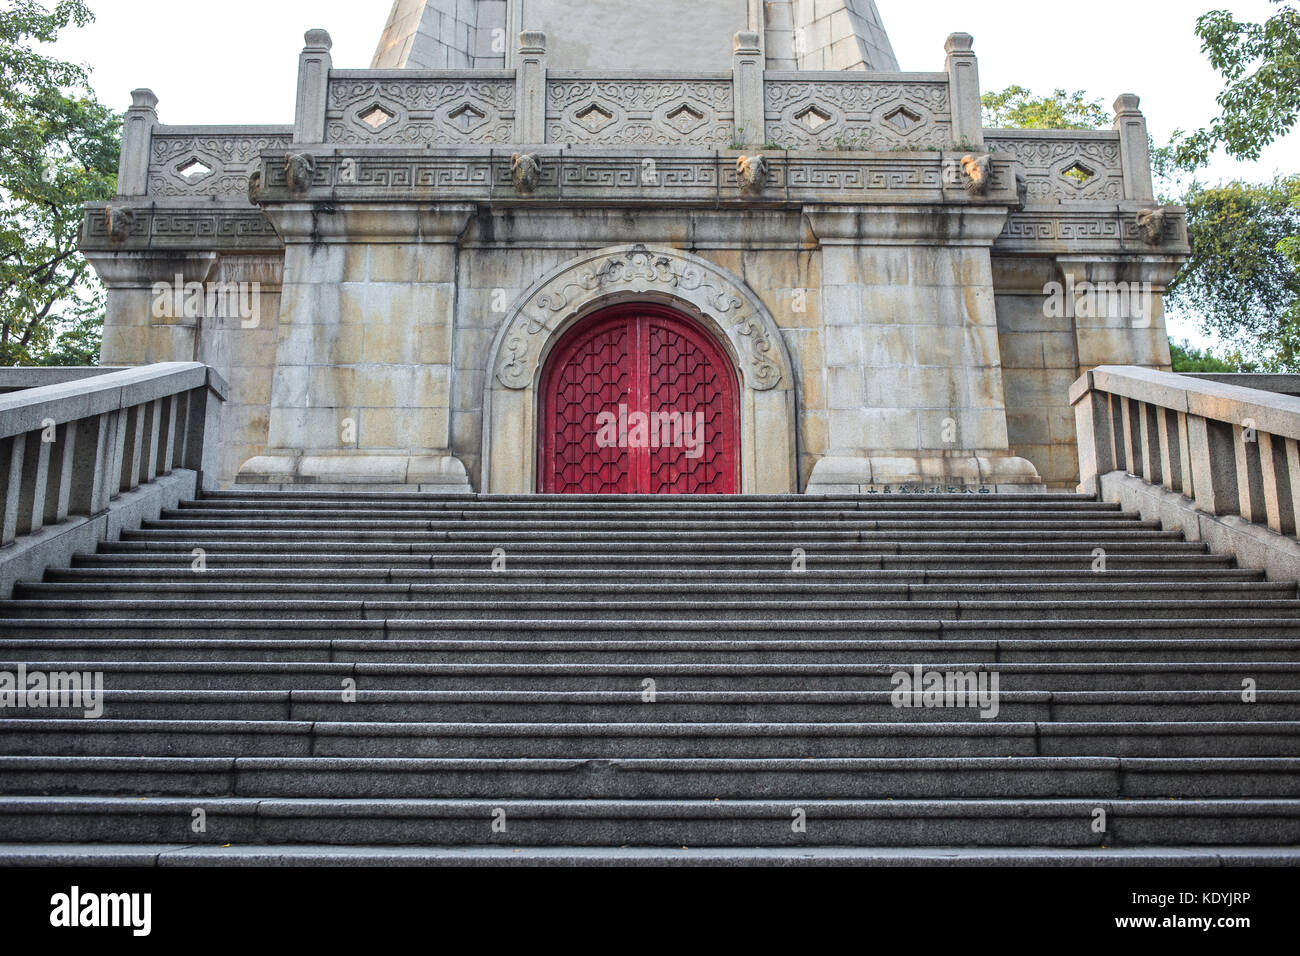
(1233, 451)
(72, 448)
(749, 108)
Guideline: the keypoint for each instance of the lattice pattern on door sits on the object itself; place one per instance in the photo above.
(684, 382)
(595, 379)
(645, 361)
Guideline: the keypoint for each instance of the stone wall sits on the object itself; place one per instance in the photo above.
(435, 35)
(617, 35)
(883, 276)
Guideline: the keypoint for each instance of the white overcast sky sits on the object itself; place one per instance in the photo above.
(236, 61)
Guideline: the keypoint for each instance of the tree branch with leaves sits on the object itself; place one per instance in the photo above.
(58, 151)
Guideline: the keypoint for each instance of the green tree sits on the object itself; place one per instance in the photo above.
(1188, 358)
(1019, 108)
(58, 151)
(1260, 103)
(1239, 281)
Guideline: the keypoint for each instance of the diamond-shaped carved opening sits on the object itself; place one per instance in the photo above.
(466, 117)
(376, 116)
(813, 118)
(903, 119)
(685, 118)
(1080, 173)
(193, 169)
(594, 117)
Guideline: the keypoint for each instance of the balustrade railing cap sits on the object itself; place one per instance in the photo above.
(1266, 412)
(32, 409)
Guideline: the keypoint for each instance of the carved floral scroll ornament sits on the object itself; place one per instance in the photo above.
(639, 269)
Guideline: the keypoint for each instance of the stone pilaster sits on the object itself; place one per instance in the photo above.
(913, 372)
(362, 385)
(1116, 307)
(154, 305)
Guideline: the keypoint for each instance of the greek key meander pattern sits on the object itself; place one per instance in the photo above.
(236, 229)
(640, 112)
(421, 111)
(649, 178)
(229, 158)
(857, 115)
(1028, 228)
(1045, 162)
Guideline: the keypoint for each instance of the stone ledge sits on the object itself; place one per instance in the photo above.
(1254, 546)
(1002, 474)
(438, 474)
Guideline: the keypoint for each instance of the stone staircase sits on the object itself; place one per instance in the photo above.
(652, 680)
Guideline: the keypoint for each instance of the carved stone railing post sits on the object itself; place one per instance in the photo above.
(1275, 485)
(1096, 437)
(748, 78)
(1250, 479)
(12, 453)
(1134, 149)
(137, 142)
(1290, 466)
(964, 86)
(314, 66)
(203, 428)
(530, 89)
(1214, 466)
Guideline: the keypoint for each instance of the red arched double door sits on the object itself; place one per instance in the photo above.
(639, 399)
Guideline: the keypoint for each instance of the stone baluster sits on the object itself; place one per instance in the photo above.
(1134, 149)
(1247, 442)
(751, 122)
(137, 143)
(964, 92)
(530, 89)
(314, 65)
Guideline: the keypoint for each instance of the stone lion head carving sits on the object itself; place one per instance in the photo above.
(976, 174)
(299, 169)
(752, 173)
(117, 222)
(255, 183)
(526, 172)
(1151, 224)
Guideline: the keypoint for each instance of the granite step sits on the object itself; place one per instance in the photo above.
(615, 823)
(700, 779)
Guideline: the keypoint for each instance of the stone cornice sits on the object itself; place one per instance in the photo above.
(921, 225)
(1092, 228)
(631, 176)
(189, 226)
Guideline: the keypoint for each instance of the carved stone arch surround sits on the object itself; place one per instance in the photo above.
(720, 302)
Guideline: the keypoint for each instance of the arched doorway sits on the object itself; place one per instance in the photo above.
(639, 399)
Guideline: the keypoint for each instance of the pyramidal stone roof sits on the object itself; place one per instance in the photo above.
(673, 35)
